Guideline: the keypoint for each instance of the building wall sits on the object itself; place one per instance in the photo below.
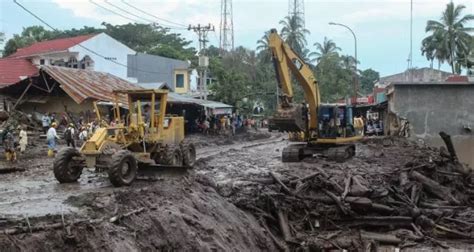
(111, 49)
(419, 75)
(185, 88)
(156, 69)
(431, 108)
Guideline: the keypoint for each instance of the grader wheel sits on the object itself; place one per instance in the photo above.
(189, 154)
(67, 165)
(172, 156)
(123, 169)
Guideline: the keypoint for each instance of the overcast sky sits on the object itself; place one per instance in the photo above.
(382, 26)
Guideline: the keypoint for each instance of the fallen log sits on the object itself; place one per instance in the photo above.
(434, 187)
(366, 203)
(379, 221)
(449, 145)
(338, 202)
(284, 227)
(382, 238)
(336, 186)
(11, 169)
(283, 186)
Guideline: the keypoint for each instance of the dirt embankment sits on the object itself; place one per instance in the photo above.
(179, 214)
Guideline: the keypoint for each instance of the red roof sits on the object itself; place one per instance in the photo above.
(12, 69)
(50, 46)
(457, 78)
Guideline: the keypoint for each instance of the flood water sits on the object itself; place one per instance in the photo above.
(464, 146)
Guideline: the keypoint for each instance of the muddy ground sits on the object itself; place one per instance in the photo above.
(204, 209)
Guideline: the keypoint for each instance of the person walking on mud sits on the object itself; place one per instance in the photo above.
(51, 138)
(23, 136)
(9, 145)
(69, 136)
(46, 122)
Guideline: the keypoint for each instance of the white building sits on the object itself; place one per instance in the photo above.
(98, 52)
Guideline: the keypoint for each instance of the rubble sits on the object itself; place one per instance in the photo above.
(402, 194)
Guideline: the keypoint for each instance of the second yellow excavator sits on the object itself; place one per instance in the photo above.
(326, 129)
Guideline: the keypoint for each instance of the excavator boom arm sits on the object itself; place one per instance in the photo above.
(286, 60)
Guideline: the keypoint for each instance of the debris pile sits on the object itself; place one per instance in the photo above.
(397, 193)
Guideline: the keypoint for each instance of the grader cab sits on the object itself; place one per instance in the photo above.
(146, 136)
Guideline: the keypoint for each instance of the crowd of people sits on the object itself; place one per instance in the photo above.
(225, 124)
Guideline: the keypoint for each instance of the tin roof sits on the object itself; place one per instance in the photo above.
(82, 84)
(55, 45)
(177, 98)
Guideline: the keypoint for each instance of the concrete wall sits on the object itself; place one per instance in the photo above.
(431, 108)
(111, 49)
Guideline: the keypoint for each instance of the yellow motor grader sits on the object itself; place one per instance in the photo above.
(146, 136)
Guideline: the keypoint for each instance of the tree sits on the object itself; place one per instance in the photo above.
(335, 82)
(432, 49)
(152, 40)
(349, 62)
(326, 48)
(294, 33)
(367, 80)
(263, 50)
(450, 33)
(2, 39)
(28, 36)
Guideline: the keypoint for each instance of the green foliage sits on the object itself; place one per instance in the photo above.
(450, 38)
(335, 82)
(322, 50)
(140, 37)
(294, 33)
(152, 40)
(367, 79)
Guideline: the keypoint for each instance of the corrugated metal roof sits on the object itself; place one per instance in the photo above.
(82, 84)
(174, 97)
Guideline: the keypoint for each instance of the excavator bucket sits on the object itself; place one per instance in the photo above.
(288, 119)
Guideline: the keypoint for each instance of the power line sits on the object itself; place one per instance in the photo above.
(114, 12)
(146, 19)
(151, 15)
(87, 49)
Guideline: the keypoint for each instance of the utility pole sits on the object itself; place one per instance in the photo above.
(202, 32)
(226, 29)
(410, 56)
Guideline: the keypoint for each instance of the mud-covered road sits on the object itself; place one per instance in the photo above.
(204, 209)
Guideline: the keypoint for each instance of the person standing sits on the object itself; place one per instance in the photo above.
(23, 136)
(69, 136)
(359, 125)
(9, 145)
(45, 121)
(51, 138)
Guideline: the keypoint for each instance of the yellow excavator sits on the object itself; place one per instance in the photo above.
(319, 129)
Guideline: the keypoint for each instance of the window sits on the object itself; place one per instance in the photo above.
(41, 61)
(179, 80)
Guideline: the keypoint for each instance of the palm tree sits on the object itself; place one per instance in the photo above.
(262, 48)
(348, 62)
(433, 49)
(328, 47)
(294, 33)
(455, 38)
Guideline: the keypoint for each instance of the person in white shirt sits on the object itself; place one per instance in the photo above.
(51, 137)
(46, 122)
(23, 139)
